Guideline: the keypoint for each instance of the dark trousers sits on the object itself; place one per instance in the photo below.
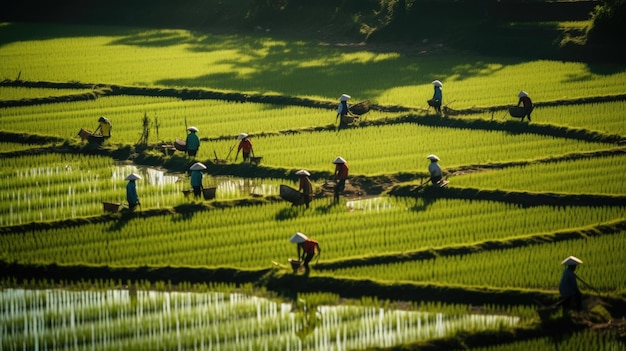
(197, 191)
(339, 187)
(192, 152)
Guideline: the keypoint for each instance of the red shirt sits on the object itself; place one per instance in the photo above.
(309, 246)
(341, 171)
(245, 145)
(526, 101)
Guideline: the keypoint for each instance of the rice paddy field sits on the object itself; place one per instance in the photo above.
(403, 264)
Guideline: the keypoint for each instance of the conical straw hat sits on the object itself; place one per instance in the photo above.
(133, 176)
(198, 166)
(437, 83)
(339, 159)
(242, 136)
(303, 172)
(345, 97)
(298, 238)
(571, 261)
(432, 157)
(192, 129)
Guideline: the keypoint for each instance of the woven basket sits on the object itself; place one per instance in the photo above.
(209, 193)
(360, 108)
(180, 145)
(433, 103)
(290, 194)
(517, 111)
(84, 134)
(256, 160)
(111, 207)
(347, 119)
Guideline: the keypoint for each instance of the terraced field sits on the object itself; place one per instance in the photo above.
(522, 195)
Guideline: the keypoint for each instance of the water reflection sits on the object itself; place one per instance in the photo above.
(372, 204)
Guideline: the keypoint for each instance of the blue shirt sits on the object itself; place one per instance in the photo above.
(568, 286)
(131, 193)
(438, 95)
(193, 142)
(196, 178)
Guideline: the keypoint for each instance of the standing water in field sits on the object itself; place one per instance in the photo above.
(148, 320)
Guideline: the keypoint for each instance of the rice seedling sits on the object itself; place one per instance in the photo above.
(220, 237)
(535, 267)
(598, 175)
(144, 320)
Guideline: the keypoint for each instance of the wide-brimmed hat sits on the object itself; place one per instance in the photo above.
(339, 159)
(522, 94)
(192, 129)
(572, 261)
(133, 176)
(345, 97)
(298, 238)
(242, 136)
(303, 172)
(198, 166)
(437, 83)
(432, 157)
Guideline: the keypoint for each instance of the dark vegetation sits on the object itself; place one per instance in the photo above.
(512, 29)
(511, 26)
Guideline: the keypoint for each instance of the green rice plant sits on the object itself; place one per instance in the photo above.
(222, 237)
(71, 186)
(578, 341)
(108, 319)
(212, 117)
(603, 117)
(598, 175)
(534, 267)
(266, 64)
(404, 147)
(11, 147)
(18, 93)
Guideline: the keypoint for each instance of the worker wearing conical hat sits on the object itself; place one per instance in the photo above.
(433, 168)
(437, 99)
(131, 191)
(525, 100)
(104, 127)
(192, 141)
(245, 146)
(341, 174)
(307, 248)
(571, 297)
(196, 178)
(305, 186)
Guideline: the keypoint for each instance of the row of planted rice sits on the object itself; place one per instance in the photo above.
(149, 320)
(534, 266)
(63, 186)
(221, 237)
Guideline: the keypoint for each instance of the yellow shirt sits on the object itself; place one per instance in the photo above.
(105, 129)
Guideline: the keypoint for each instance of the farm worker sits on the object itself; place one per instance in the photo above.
(342, 109)
(192, 141)
(307, 248)
(196, 178)
(434, 169)
(305, 186)
(571, 296)
(341, 174)
(131, 191)
(527, 102)
(437, 96)
(104, 127)
(245, 146)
